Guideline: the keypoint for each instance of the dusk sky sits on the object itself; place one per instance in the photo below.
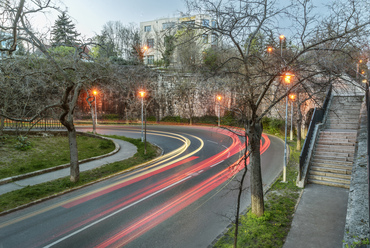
(90, 15)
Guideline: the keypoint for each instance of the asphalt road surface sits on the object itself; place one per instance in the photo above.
(185, 199)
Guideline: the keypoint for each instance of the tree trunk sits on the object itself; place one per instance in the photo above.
(254, 132)
(1, 125)
(299, 134)
(240, 193)
(299, 125)
(75, 170)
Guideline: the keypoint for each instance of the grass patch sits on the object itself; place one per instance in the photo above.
(45, 152)
(31, 193)
(271, 229)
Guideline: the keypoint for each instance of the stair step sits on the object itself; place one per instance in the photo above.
(329, 165)
(333, 148)
(332, 170)
(325, 162)
(330, 179)
(333, 158)
(335, 143)
(331, 139)
(329, 174)
(344, 126)
(321, 152)
(333, 184)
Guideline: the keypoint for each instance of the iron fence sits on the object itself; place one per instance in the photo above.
(317, 117)
(43, 124)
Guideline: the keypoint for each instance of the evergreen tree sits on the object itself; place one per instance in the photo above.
(63, 32)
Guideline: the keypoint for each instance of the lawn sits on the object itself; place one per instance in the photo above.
(21, 155)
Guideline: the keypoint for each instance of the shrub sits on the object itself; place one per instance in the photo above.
(110, 117)
(176, 119)
(22, 143)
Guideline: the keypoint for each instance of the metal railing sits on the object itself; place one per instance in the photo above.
(43, 124)
(368, 138)
(317, 117)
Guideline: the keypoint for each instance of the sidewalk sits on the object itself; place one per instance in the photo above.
(319, 219)
(126, 150)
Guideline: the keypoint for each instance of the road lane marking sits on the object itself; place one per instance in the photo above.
(212, 141)
(114, 213)
(217, 163)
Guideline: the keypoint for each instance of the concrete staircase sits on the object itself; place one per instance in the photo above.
(334, 151)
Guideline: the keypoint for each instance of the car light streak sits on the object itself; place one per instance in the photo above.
(168, 156)
(114, 213)
(174, 205)
(195, 169)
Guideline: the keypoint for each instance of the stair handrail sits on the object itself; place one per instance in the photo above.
(317, 117)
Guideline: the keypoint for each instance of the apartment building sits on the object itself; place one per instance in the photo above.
(153, 35)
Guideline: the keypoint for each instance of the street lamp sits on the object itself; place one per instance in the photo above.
(292, 98)
(219, 98)
(281, 37)
(142, 95)
(96, 113)
(288, 77)
(269, 49)
(358, 67)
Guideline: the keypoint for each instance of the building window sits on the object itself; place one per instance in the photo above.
(213, 24)
(214, 39)
(205, 38)
(187, 24)
(205, 23)
(147, 28)
(150, 43)
(150, 60)
(168, 25)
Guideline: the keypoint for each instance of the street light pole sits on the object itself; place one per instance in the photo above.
(291, 122)
(281, 37)
(142, 94)
(285, 142)
(287, 79)
(219, 110)
(96, 113)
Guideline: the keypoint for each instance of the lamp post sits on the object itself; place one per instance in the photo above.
(96, 113)
(292, 98)
(358, 67)
(287, 79)
(142, 94)
(281, 37)
(219, 98)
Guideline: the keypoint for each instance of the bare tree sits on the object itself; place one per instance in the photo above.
(247, 27)
(68, 73)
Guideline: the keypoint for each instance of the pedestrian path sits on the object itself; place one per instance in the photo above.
(319, 219)
(126, 150)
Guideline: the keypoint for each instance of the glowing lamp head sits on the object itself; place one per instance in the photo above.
(292, 97)
(269, 49)
(288, 77)
(219, 98)
(145, 48)
(95, 92)
(360, 61)
(142, 93)
(281, 37)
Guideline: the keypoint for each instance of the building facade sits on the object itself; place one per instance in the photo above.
(155, 35)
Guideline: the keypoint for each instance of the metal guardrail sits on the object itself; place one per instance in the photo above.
(317, 117)
(44, 124)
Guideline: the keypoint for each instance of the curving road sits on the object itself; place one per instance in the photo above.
(184, 199)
